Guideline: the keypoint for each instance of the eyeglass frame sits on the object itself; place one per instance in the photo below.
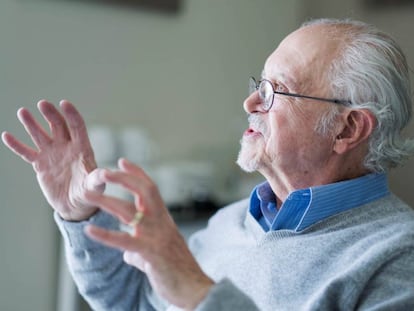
(255, 85)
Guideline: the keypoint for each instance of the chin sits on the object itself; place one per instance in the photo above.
(248, 158)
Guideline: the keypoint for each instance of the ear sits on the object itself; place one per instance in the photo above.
(358, 125)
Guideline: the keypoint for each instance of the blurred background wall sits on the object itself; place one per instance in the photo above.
(180, 76)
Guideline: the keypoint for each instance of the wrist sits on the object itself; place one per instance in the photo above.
(198, 295)
(78, 216)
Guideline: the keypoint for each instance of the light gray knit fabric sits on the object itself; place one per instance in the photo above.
(362, 259)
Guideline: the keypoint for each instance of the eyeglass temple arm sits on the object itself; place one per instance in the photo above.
(333, 100)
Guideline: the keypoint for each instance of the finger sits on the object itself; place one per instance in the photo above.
(121, 209)
(78, 132)
(39, 136)
(127, 166)
(132, 177)
(57, 122)
(75, 122)
(133, 183)
(25, 152)
(141, 186)
(115, 239)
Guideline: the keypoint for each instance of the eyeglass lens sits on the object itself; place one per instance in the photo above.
(266, 93)
(265, 89)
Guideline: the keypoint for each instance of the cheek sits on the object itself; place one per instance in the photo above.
(291, 133)
(281, 134)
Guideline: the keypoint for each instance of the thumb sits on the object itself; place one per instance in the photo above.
(94, 180)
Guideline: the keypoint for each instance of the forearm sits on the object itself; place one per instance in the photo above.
(100, 273)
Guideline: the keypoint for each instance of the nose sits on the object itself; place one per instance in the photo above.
(252, 103)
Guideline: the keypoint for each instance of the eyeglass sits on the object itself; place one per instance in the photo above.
(267, 94)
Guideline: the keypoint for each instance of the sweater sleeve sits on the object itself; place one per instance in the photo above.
(102, 277)
(392, 287)
(226, 296)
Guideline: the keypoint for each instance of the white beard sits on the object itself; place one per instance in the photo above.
(251, 152)
(249, 156)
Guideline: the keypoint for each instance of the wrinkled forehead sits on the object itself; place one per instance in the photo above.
(302, 57)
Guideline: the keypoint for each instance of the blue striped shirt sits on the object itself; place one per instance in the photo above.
(305, 207)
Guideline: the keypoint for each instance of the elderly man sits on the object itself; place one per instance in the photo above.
(322, 233)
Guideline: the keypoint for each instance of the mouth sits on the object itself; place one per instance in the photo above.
(256, 126)
(252, 132)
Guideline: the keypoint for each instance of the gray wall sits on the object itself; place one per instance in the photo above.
(181, 77)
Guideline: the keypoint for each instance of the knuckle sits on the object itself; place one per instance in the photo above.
(152, 189)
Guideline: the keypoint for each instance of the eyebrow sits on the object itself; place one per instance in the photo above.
(290, 83)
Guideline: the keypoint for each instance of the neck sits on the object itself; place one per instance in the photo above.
(283, 184)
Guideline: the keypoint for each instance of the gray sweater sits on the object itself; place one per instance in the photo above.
(361, 259)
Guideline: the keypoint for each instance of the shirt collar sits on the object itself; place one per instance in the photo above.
(305, 207)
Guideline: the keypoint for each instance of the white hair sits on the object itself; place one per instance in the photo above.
(372, 72)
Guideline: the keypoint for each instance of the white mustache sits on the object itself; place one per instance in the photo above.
(257, 124)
